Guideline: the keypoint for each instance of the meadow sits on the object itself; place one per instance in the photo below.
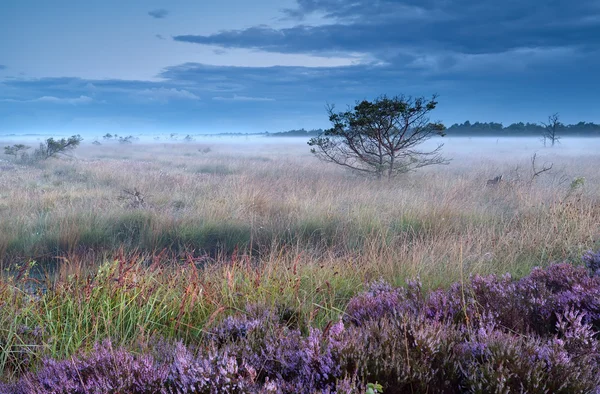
(161, 241)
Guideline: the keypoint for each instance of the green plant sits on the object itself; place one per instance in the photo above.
(577, 183)
(374, 388)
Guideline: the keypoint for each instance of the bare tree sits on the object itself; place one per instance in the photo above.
(380, 138)
(551, 129)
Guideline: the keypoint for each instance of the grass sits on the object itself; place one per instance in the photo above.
(132, 300)
(220, 230)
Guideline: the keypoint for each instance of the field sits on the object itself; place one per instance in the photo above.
(134, 242)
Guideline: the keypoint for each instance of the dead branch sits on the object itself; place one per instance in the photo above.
(537, 172)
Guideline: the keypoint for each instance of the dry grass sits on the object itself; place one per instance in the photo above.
(276, 195)
(251, 223)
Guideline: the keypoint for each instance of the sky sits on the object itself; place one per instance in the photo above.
(199, 66)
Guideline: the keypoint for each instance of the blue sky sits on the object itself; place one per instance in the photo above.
(239, 66)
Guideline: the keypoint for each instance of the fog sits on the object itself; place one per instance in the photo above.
(498, 149)
(474, 147)
(511, 147)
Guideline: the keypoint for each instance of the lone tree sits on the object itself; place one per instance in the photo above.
(380, 138)
(551, 129)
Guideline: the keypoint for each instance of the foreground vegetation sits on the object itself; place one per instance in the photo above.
(487, 335)
(147, 245)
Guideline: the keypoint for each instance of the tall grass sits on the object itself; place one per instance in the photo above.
(220, 230)
(73, 206)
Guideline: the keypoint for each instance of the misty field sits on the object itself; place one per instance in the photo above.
(160, 242)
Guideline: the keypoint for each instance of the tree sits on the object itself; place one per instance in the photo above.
(15, 150)
(380, 138)
(551, 129)
(51, 147)
(126, 140)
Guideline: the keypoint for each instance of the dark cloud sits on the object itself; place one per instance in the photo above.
(2, 67)
(473, 11)
(159, 36)
(159, 13)
(390, 26)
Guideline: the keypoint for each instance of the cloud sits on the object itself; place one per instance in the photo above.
(236, 97)
(514, 61)
(54, 100)
(2, 67)
(386, 30)
(302, 86)
(158, 13)
(159, 36)
(346, 11)
(164, 95)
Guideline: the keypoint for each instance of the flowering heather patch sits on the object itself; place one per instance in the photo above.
(489, 334)
(104, 370)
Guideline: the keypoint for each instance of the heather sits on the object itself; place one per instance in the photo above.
(487, 334)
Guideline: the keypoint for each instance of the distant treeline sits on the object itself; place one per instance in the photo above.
(521, 129)
(297, 133)
(484, 129)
